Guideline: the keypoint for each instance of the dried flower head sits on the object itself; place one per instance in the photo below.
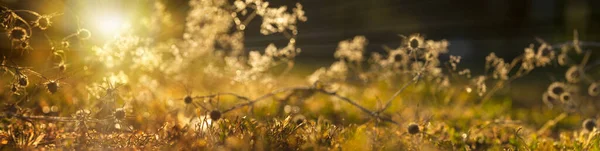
(593, 90)
(17, 33)
(572, 75)
(549, 100)
(119, 114)
(589, 124)
(65, 44)
(188, 99)
(215, 115)
(52, 86)
(556, 89)
(299, 119)
(14, 88)
(565, 97)
(414, 41)
(43, 22)
(23, 80)
(24, 45)
(413, 128)
(62, 67)
(562, 59)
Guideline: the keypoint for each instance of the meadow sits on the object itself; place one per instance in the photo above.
(204, 90)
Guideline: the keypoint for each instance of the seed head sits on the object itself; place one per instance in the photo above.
(572, 75)
(413, 129)
(52, 86)
(17, 33)
(562, 59)
(14, 88)
(556, 89)
(43, 22)
(549, 100)
(65, 44)
(215, 115)
(62, 67)
(188, 99)
(24, 45)
(23, 81)
(414, 41)
(299, 119)
(589, 124)
(565, 97)
(119, 114)
(593, 90)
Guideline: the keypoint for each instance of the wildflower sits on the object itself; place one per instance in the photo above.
(572, 75)
(589, 124)
(17, 34)
(593, 89)
(413, 129)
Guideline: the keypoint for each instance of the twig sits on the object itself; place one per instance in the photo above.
(348, 100)
(551, 123)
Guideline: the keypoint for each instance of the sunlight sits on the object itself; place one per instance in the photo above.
(109, 24)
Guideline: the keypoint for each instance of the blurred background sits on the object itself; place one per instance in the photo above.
(473, 27)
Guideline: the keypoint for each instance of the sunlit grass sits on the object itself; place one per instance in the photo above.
(203, 90)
